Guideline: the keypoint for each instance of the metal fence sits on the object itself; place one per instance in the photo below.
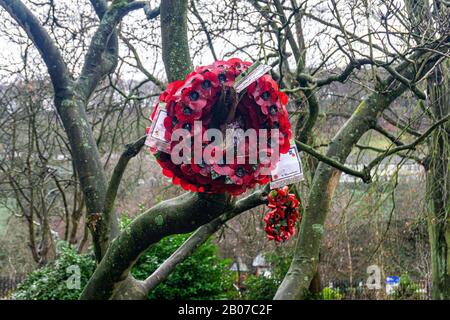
(359, 291)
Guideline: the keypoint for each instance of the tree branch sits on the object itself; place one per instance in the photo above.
(182, 214)
(130, 152)
(365, 176)
(205, 29)
(98, 64)
(201, 235)
(326, 178)
(410, 146)
(51, 55)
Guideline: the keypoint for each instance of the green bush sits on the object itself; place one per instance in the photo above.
(330, 294)
(260, 288)
(204, 275)
(51, 281)
(407, 289)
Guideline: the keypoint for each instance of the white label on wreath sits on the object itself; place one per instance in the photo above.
(156, 135)
(288, 170)
(256, 71)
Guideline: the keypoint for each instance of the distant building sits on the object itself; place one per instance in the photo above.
(262, 266)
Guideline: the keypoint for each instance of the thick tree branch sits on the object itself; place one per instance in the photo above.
(201, 235)
(51, 55)
(182, 214)
(326, 178)
(101, 57)
(175, 47)
(73, 115)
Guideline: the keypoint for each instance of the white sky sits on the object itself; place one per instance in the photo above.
(11, 53)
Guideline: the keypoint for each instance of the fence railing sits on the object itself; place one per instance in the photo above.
(358, 291)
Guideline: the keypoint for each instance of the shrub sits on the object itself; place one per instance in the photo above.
(260, 288)
(407, 289)
(202, 276)
(50, 282)
(330, 294)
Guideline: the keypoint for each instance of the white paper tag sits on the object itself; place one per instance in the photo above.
(289, 169)
(156, 133)
(255, 71)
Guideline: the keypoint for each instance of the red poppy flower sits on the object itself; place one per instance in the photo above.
(184, 112)
(241, 174)
(193, 99)
(225, 76)
(170, 90)
(265, 93)
(281, 220)
(207, 84)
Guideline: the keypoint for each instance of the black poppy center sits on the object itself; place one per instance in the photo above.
(240, 172)
(187, 126)
(222, 78)
(174, 121)
(276, 125)
(206, 84)
(187, 111)
(194, 95)
(273, 110)
(266, 95)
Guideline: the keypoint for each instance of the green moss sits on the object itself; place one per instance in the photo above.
(360, 106)
(318, 228)
(117, 4)
(159, 220)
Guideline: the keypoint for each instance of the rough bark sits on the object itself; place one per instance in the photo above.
(175, 45)
(438, 186)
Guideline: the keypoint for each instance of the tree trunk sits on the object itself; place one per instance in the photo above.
(438, 186)
(304, 265)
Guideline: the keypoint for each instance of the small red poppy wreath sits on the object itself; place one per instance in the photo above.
(281, 220)
(207, 95)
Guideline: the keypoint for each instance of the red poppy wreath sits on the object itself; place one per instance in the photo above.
(284, 214)
(207, 96)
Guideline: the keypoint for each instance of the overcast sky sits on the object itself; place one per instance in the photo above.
(10, 52)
